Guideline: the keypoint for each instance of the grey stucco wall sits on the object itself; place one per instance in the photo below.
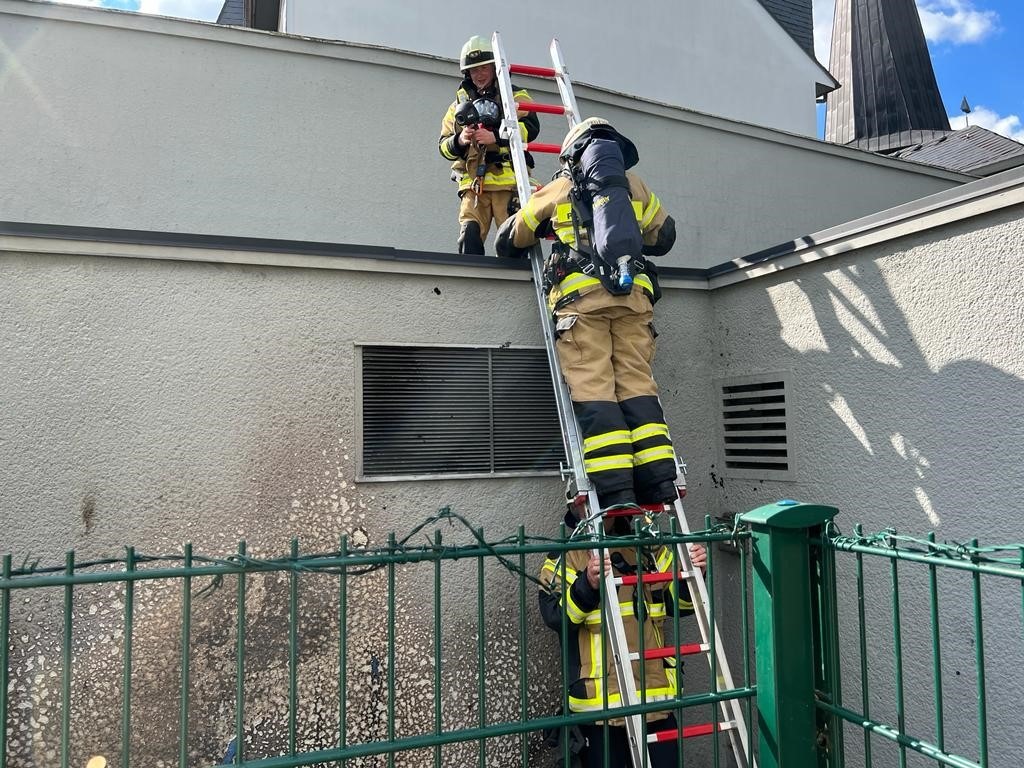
(152, 402)
(907, 372)
(136, 122)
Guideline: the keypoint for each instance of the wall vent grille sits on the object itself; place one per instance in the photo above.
(457, 411)
(755, 428)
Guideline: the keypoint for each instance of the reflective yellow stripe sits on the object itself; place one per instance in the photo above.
(576, 614)
(644, 282)
(654, 454)
(529, 219)
(608, 463)
(665, 560)
(577, 281)
(608, 438)
(653, 206)
(638, 209)
(615, 699)
(653, 429)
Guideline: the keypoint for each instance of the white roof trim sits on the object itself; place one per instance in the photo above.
(952, 205)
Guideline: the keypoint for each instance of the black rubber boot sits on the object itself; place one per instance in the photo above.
(470, 240)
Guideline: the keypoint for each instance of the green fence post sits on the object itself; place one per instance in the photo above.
(782, 535)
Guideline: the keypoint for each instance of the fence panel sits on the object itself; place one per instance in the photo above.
(424, 651)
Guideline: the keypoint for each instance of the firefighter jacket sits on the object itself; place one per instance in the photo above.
(591, 664)
(499, 174)
(549, 210)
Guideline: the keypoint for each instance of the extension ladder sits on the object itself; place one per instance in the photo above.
(581, 492)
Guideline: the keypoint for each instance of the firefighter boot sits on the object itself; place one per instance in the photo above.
(470, 240)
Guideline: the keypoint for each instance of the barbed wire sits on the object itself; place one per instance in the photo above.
(889, 539)
(643, 534)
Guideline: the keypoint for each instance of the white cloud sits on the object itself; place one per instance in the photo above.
(204, 10)
(956, 21)
(823, 11)
(944, 21)
(1009, 126)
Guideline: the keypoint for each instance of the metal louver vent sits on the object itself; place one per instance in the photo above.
(453, 411)
(755, 438)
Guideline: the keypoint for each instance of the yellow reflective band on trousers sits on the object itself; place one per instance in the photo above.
(577, 281)
(658, 453)
(649, 430)
(606, 463)
(619, 436)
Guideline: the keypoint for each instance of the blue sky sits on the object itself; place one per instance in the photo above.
(975, 47)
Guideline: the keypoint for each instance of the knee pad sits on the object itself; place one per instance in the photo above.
(470, 240)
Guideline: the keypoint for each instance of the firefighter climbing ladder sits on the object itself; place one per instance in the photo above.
(580, 488)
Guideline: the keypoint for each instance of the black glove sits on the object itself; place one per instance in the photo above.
(503, 241)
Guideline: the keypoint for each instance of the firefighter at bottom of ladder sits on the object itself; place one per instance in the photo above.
(605, 339)
(481, 163)
(591, 667)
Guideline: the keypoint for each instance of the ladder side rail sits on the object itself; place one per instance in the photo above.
(570, 428)
(614, 622)
(731, 709)
(510, 122)
(571, 438)
(564, 84)
(635, 724)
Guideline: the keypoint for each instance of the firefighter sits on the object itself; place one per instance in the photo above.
(469, 137)
(605, 334)
(591, 666)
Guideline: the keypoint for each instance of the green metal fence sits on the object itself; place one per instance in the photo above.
(916, 611)
(902, 635)
(871, 650)
(424, 651)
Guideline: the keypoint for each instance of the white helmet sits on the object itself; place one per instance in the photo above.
(577, 139)
(475, 53)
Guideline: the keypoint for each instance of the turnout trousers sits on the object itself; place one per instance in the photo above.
(476, 213)
(605, 346)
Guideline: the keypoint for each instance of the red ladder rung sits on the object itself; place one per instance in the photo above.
(669, 652)
(532, 106)
(651, 578)
(528, 69)
(534, 146)
(689, 731)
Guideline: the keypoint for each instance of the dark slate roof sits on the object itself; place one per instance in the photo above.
(889, 98)
(794, 16)
(970, 150)
(232, 13)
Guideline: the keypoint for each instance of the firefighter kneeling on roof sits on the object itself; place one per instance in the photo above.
(601, 292)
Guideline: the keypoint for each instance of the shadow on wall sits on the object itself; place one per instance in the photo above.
(903, 419)
(897, 425)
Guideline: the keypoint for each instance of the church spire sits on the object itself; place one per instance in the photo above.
(889, 98)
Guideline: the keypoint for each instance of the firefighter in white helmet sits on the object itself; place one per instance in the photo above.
(601, 290)
(481, 165)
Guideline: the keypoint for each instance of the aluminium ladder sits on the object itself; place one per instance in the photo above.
(581, 491)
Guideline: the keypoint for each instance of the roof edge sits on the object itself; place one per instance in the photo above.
(951, 205)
